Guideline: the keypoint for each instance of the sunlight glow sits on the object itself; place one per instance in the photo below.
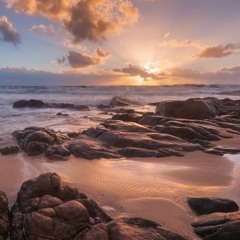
(152, 67)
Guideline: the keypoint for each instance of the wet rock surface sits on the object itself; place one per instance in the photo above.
(220, 219)
(9, 150)
(211, 205)
(46, 208)
(137, 134)
(33, 103)
(35, 141)
(4, 216)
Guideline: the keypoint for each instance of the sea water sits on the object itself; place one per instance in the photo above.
(15, 119)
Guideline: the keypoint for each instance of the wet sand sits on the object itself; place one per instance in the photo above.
(155, 189)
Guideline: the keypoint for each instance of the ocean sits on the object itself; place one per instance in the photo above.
(15, 119)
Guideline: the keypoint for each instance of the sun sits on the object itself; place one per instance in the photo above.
(152, 67)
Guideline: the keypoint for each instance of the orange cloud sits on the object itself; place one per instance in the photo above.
(79, 60)
(86, 20)
(218, 51)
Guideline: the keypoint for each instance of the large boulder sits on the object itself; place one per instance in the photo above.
(90, 149)
(9, 150)
(32, 103)
(191, 109)
(218, 226)
(128, 229)
(120, 102)
(210, 205)
(35, 141)
(4, 216)
(46, 208)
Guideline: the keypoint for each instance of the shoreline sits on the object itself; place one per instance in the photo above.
(155, 189)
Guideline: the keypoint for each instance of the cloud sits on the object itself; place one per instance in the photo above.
(30, 77)
(80, 60)
(8, 32)
(183, 43)
(205, 51)
(27, 77)
(218, 51)
(47, 30)
(132, 70)
(86, 20)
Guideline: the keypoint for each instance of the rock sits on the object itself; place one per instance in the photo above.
(214, 151)
(32, 103)
(90, 149)
(185, 133)
(57, 152)
(62, 114)
(125, 126)
(211, 205)
(190, 109)
(73, 134)
(218, 226)
(69, 106)
(138, 152)
(120, 102)
(4, 216)
(46, 208)
(9, 150)
(128, 117)
(128, 229)
(35, 141)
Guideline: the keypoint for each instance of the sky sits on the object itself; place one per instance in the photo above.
(119, 42)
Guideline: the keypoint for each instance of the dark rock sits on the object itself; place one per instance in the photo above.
(73, 134)
(190, 109)
(119, 102)
(128, 117)
(35, 141)
(9, 150)
(130, 228)
(185, 133)
(218, 226)
(125, 126)
(4, 216)
(227, 150)
(62, 114)
(90, 149)
(211, 205)
(46, 208)
(214, 151)
(138, 152)
(57, 152)
(33, 103)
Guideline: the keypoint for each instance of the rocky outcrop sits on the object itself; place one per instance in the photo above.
(35, 141)
(120, 102)
(220, 218)
(218, 226)
(90, 149)
(190, 109)
(130, 228)
(46, 208)
(33, 103)
(211, 205)
(4, 216)
(9, 150)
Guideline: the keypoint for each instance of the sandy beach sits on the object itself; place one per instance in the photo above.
(152, 188)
